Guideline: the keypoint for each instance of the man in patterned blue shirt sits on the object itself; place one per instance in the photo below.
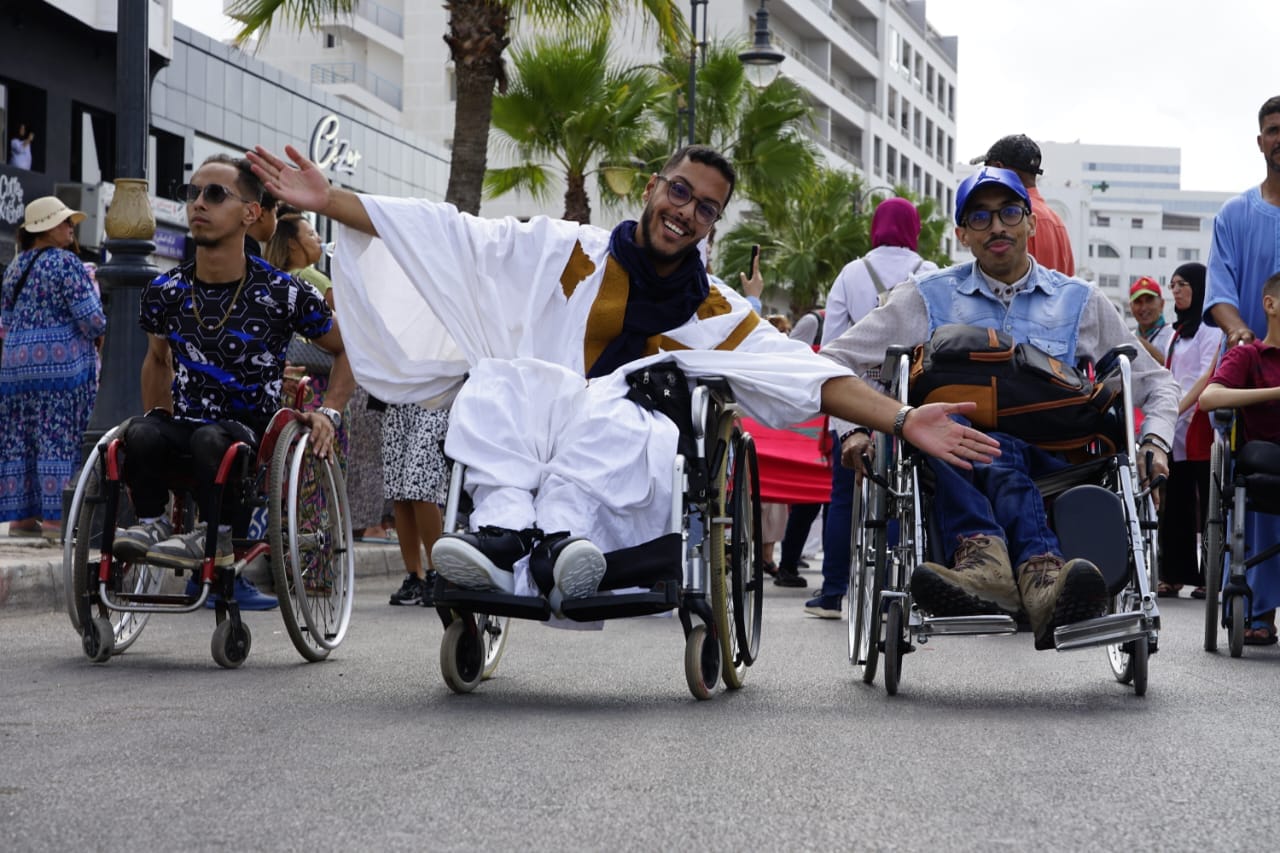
(218, 329)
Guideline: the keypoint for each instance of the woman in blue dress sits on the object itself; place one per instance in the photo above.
(52, 318)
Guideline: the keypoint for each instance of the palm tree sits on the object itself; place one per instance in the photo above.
(479, 32)
(569, 105)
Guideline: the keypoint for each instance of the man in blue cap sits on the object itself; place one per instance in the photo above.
(1000, 552)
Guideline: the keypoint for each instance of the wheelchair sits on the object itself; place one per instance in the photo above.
(1096, 510)
(712, 556)
(304, 557)
(1244, 477)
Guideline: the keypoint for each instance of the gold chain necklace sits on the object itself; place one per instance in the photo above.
(195, 308)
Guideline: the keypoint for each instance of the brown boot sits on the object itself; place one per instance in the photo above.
(1054, 594)
(979, 582)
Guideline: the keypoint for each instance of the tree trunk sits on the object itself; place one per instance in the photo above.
(477, 38)
(577, 207)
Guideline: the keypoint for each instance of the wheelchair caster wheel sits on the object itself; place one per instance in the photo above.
(99, 640)
(701, 662)
(229, 646)
(462, 655)
(1236, 624)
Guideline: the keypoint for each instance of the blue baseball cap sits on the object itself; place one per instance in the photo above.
(989, 175)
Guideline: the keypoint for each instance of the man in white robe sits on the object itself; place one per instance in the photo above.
(549, 318)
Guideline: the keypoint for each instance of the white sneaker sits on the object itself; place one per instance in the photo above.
(579, 568)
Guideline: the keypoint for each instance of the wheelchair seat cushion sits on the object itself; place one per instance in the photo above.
(1259, 457)
(1258, 463)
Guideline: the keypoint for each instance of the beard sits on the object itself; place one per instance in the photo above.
(649, 220)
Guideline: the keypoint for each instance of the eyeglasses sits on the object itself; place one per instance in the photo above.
(1010, 215)
(680, 194)
(213, 194)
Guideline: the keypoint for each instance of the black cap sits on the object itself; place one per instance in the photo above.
(1018, 151)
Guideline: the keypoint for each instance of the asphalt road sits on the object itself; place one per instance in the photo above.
(591, 740)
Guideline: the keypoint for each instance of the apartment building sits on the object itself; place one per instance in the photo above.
(882, 81)
(1127, 213)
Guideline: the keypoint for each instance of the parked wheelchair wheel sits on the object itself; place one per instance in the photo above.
(1212, 543)
(701, 662)
(462, 654)
(309, 530)
(83, 526)
(229, 645)
(746, 565)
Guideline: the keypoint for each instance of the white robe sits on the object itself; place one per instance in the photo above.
(441, 294)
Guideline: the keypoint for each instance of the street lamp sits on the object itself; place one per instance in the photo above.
(699, 45)
(861, 197)
(763, 58)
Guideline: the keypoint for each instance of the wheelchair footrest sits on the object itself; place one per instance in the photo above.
(935, 626)
(619, 605)
(494, 603)
(1103, 631)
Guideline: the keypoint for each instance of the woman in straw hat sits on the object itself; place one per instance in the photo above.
(52, 318)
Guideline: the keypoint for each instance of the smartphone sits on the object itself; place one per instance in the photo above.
(755, 258)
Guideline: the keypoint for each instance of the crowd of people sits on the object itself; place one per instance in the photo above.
(562, 473)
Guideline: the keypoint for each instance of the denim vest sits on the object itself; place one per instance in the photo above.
(1045, 313)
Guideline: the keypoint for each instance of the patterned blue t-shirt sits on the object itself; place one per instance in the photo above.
(231, 371)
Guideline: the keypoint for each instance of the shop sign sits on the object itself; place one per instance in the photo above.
(328, 151)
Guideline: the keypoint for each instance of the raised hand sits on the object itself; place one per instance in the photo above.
(304, 187)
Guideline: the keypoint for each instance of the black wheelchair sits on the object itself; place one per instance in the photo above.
(304, 556)
(1244, 477)
(711, 558)
(1096, 510)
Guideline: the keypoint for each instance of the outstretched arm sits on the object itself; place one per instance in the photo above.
(928, 427)
(307, 188)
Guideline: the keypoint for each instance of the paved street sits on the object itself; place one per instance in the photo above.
(588, 740)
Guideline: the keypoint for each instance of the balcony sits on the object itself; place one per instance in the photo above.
(337, 73)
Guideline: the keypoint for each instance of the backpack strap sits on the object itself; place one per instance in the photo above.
(875, 278)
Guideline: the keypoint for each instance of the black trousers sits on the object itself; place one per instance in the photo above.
(1182, 515)
(159, 449)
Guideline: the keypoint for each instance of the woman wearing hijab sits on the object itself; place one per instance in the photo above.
(1191, 358)
(49, 370)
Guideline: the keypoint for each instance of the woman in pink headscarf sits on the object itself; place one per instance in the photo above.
(895, 234)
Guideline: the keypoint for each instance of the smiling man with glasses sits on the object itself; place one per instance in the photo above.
(1001, 554)
(550, 319)
(218, 328)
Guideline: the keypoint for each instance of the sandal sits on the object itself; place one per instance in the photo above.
(1168, 590)
(1199, 593)
(29, 528)
(1263, 636)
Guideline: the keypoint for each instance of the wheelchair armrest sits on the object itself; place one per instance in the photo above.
(1108, 362)
(1223, 418)
(892, 357)
(718, 386)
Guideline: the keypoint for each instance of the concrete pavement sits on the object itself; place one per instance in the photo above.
(31, 570)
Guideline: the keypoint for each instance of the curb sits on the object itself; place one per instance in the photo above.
(31, 575)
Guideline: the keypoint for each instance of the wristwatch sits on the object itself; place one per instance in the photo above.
(900, 422)
(1152, 438)
(333, 415)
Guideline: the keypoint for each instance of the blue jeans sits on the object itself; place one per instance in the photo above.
(998, 499)
(838, 528)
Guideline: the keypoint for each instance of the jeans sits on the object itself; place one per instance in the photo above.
(838, 528)
(998, 499)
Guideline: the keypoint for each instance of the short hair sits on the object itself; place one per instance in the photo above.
(1272, 105)
(276, 252)
(249, 184)
(707, 156)
(1271, 287)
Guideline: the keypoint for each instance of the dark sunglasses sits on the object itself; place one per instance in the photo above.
(681, 194)
(1010, 215)
(213, 194)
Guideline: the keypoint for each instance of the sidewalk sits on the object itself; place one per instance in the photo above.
(31, 570)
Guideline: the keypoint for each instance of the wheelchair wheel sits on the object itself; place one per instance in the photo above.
(735, 654)
(1212, 543)
(493, 637)
(866, 580)
(462, 654)
(98, 640)
(84, 525)
(309, 529)
(893, 647)
(1139, 657)
(1236, 624)
(701, 662)
(229, 646)
(746, 566)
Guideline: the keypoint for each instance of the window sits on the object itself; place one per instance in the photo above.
(1100, 221)
(1135, 223)
(1105, 250)
(1188, 254)
(1161, 251)
(331, 40)
(1108, 281)
(1140, 253)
